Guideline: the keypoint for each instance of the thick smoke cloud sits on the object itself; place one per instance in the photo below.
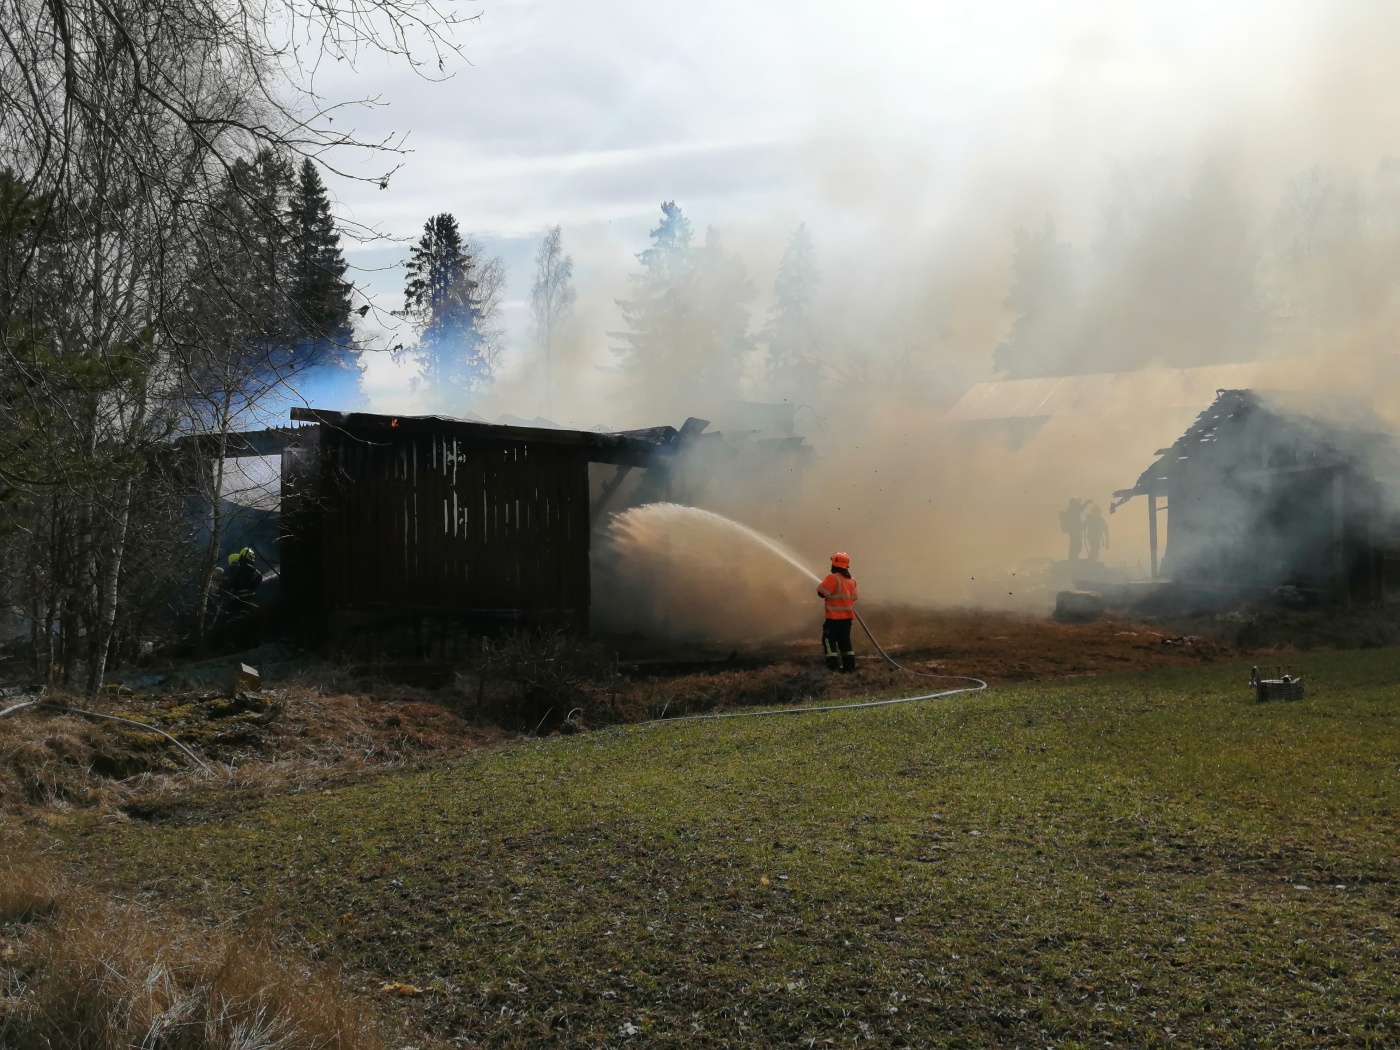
(1250, 217)
(1282, 260)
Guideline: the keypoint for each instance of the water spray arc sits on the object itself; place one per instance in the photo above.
(975, 684)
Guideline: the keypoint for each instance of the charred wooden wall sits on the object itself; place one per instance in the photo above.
(427, 520)
(301, 530)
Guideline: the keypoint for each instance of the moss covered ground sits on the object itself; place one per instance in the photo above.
(1145, 859)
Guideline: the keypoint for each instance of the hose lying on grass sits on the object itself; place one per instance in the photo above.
(49, 705)
(977, 685)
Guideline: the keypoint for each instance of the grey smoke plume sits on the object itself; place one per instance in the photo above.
(1260, 231)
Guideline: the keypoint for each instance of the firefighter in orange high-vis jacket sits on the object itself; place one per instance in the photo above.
(839, 592)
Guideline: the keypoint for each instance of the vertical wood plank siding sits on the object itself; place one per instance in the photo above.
(301, 521)
(432, 521)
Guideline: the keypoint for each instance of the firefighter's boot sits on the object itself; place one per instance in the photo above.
(832, 654)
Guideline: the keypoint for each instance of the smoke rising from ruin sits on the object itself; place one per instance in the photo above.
(1209, 259)
(1245, 216)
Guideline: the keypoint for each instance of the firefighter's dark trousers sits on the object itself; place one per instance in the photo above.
(836, 645)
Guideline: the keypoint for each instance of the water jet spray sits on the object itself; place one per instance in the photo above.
(698, 514)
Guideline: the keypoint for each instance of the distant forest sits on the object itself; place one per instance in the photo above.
(1205, 276)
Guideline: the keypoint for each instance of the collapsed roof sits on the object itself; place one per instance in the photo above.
(1250, 433)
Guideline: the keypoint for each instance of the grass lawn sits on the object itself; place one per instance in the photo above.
(1146, 859)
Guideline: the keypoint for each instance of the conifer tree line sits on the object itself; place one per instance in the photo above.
(689, 336)
(1206, 275)
(168, 260)
(270, 256)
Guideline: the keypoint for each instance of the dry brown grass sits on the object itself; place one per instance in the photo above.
(107, 979)
(81, 972)
(29, 887)
(333, 720)
(53, 762)
(45, 767)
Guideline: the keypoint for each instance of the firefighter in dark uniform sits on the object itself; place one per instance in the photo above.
(838, 590)
(241, 580)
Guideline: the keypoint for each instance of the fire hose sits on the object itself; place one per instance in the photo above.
(976, 686)
(50, 705)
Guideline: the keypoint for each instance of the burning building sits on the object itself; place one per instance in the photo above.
(427, 516)
(385, 517)
(1259, 498)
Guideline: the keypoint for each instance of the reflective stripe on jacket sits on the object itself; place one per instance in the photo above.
(840, 594)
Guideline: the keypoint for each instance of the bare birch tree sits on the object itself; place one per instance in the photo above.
(120, 124)
(551, 299)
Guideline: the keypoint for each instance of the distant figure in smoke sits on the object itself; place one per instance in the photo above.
(1072, 525)
(839, 592)
(1095, 532)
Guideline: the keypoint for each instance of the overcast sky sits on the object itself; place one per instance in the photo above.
(860, 119)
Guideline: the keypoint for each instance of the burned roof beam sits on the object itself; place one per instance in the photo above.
(596, 448)
(270, 442)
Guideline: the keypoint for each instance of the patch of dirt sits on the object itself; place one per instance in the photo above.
(1003, 647)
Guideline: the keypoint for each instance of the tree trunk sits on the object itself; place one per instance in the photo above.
(49, 652)
(66, 639)
(106, 619)
(216, 528)
(35, 654)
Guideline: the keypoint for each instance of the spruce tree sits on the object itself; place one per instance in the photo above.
(269, 283)
(319, 293)
(717, 335)
(451, 296)
(790, 334)
(236, 307)
(656, 312)
(1044, 298)
(687, 320)
(258, 243)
